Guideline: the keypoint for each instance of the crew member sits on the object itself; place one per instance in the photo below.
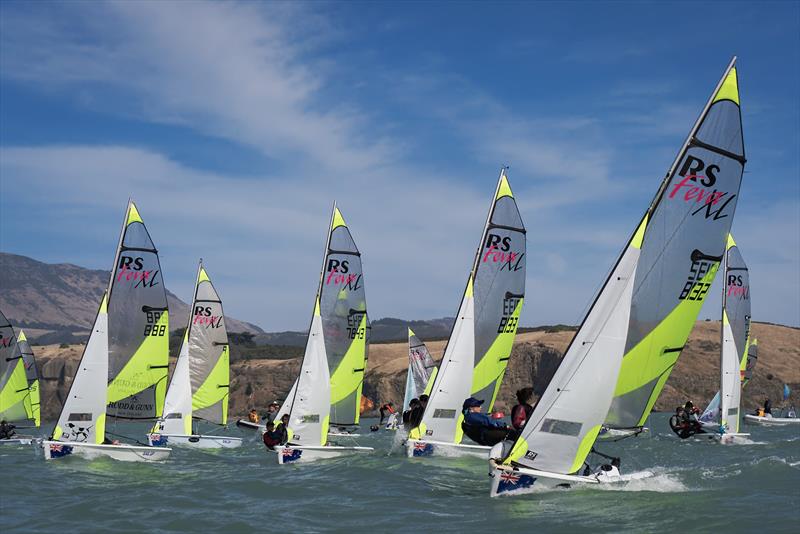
(272, 437)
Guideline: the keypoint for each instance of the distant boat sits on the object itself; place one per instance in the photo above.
(201, 380)
(722, 417)
(787, 415)
(637, 325)
(337, 340)
(479, 347)
(123, 369)
(19, 382)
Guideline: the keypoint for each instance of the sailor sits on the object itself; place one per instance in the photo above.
(609, 472)
(523, 410)
(407, 414)
(767, 407)
(253, 416)
(272, 436)
(272, 412)
(474, 417)
(6, 430)
(415, 417)
(283, 429)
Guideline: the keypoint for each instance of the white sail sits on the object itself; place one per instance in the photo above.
(310, 412)
(286, 407)
(83, 416)
(178, 403)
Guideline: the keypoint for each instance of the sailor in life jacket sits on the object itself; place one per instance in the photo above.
(609, 472)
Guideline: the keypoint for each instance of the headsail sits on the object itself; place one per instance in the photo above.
(735, 335)
(480, 343)
(13, 381)
(343, 312)
(32, 401)
(138, 325)
(642, 287)
(421, 369)
(83, 416)
(684, 240)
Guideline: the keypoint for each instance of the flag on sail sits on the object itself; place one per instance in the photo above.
(421, 370)
(14, 390)
(613, 348)
(138, 325)
(684, 234)
(479, 347)
(343, 312)
(735, 335)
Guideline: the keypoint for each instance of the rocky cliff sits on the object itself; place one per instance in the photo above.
(535, 357)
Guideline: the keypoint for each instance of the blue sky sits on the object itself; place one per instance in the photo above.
(235, 125)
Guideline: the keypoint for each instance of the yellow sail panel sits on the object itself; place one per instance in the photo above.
(215, 387)
(147, 367)
(729, 89)
(14, 393)
(32, 403)
(348, 377)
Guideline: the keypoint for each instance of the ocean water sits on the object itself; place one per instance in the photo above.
(698, 486)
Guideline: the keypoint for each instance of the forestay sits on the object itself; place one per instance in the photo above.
(138, 325)
(480, 343)
(735, 335)
(684, 240)
(421, 370)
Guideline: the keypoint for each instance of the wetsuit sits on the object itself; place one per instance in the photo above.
(273, 438)
(282, 433)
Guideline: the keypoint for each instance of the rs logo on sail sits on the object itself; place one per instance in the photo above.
(697, 188)
(736, 287)
(498, 250)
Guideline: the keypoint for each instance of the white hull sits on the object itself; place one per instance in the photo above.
(20, 440)
(771, 421)
(423, 449)
(336, 434)
(302, 454)
(522, 480)
(123, 453)
(730, 439)
(196, 441)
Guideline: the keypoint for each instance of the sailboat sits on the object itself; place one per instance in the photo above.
(657, 285)
(422, 371)
(200, 382)
(723, 420)
(19, 382)
(337, 340)
(123, 370)
(479, 347)
(787, 415)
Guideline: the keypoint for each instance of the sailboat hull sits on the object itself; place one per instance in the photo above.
(124, 453)
(423, 449)
(522, 480)
(288, 454)
(196, 441)
(22, 440)
(771, 421)
(249, 425)
(616, 434)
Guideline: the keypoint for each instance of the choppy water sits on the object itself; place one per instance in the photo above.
(699, 486)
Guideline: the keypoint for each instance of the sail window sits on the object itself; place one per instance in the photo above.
(79, 417)
(311, 418)
(557, 426)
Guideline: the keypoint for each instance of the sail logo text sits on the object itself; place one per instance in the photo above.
(346, 279)
(498, 250)
(695, 187)
(736, 287)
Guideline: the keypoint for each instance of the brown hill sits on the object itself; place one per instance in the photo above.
(57, 302)
(256, 382)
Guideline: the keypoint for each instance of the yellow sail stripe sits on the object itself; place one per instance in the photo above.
(345, 380)
(585, 448)
(203, 276)
(138, 374)
(32, 403)
(640, 366)
(338, 220)
(429, 385)
(504, 190)
(214, 389)
(133, 215)
(729, 89)
(493, 364)
(638, 237)
(324, 430)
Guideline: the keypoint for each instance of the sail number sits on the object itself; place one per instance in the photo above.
(695, 288)
(152, 328)
(508, 323)
(354, 328)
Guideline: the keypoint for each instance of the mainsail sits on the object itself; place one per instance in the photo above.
(328, 389)
(749, 363)
(15, 395)
(138, 325)
(83, 416)
(200, 382)
(684, 240)
(480, 343)
(32, 401)
(422, 370)
(676, 231)
(735, 335)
